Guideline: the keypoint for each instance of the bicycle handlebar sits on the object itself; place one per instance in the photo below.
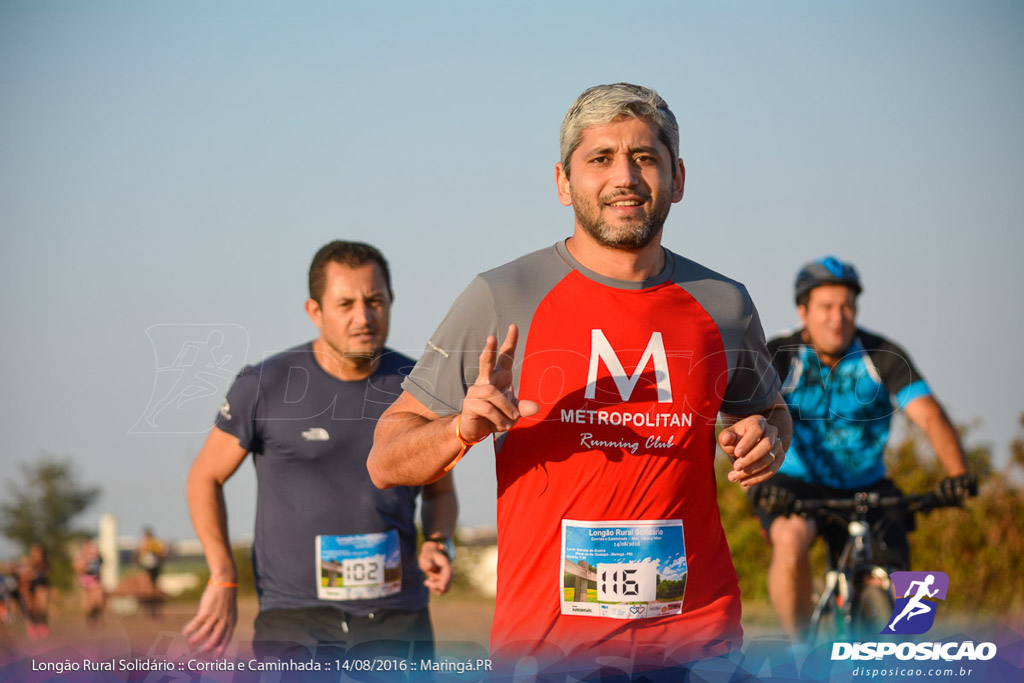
(863, 501)
(858, 502)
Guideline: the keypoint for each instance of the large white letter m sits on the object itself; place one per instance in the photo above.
(655, 351)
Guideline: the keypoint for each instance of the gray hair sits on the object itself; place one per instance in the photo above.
(604, 103)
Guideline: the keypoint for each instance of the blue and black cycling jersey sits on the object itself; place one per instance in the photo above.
(841, 415)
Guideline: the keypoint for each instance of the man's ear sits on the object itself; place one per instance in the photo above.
(314, 312)
(562, 181)
(678, 181)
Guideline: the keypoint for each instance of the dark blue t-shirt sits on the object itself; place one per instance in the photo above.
(310, 433)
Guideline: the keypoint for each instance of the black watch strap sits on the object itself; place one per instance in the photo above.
(446, 545)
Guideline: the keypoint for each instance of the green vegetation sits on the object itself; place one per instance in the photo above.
(42, 508)
(591, 595)
(980, 547)
(671, 590)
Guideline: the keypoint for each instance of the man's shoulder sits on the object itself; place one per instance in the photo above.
(688, 270)
(394, 363)
(514, 288)
(785, 339)
(726, 297)
(872, 342)
(523, 269)
(281, 362)
(891, 360)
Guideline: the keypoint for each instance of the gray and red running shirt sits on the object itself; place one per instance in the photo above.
(630, 377)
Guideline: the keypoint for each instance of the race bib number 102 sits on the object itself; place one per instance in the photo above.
(623, 569)
(358, 567)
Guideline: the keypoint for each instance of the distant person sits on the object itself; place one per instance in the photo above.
(35, 587)
(150, 556)
(335, 560)
(618, 356)
(12, 602)
(842, 384)
(87, 564)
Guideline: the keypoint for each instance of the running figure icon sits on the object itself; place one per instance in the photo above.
(915, 607)
(199, 367)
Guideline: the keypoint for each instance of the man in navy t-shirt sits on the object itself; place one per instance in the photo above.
(334, 558)
(842, 385)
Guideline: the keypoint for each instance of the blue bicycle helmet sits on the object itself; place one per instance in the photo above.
(826, 271)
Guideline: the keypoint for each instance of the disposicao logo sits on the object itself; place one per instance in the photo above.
(914, 612)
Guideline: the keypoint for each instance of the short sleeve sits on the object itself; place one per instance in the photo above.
(450, 362)
(237, 415)
(898, 373)
(754, 382)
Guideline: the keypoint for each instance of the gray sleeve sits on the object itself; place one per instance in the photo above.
(753, 381)
(451, 360)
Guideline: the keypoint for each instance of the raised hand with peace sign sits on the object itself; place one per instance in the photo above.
(490, 405)
(414, 445)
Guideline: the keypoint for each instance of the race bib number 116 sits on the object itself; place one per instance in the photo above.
(623, 569)
(626, 581)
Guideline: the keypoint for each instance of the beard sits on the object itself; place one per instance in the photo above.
(629, 233)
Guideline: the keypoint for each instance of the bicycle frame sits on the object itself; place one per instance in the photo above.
(844, 579)
(857, 589)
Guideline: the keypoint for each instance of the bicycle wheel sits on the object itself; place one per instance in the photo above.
(871, 612)
(827, 622)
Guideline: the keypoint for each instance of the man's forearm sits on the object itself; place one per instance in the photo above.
(411, 450)
(946, 443)
(210, 520)
(439, 514)
(778, 416)
(927, 413)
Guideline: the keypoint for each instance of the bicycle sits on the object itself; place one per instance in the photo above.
(857, 599)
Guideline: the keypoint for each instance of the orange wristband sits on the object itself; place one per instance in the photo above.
(221, 584)
(466, 445)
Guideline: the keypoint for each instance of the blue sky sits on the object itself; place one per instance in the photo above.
(170, 168)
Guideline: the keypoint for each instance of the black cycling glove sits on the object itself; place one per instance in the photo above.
(955, 490)
(773, 498)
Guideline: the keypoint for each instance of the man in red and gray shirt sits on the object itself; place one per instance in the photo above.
(618, 356)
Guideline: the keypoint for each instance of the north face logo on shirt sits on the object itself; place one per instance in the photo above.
(316, 434)
(601, 349)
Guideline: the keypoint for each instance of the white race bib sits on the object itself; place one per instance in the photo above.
(623, 569)
(358, 567)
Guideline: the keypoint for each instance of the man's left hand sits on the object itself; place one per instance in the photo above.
(438, 568)
(755, 448)
(955, 490)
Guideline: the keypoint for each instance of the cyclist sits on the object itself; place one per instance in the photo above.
(842, 385)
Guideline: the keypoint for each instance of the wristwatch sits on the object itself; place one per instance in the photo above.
(446, 545)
